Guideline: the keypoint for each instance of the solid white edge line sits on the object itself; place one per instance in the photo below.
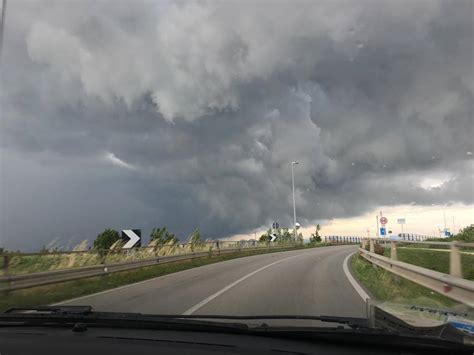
(235, 283)
(354, 283)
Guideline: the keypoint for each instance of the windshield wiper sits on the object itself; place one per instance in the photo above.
(87, 312)
(347, 329)
(53, 310)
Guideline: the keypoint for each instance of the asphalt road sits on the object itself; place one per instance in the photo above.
(302, 282)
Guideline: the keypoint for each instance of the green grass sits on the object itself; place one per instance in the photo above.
(434, 260)
(71, 289)
(385, 286)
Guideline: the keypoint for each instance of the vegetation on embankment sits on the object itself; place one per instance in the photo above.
(437, 260)
(72, 289)
(465, 235)
(106, 249)
(384, 286)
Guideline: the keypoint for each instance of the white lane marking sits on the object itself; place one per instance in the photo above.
(146, 281)
(235, 283)
(354, 283)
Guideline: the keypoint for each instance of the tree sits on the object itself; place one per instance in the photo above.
(315, 237)
(161, 237)
(299, 237)
(105, 239)
(284, 235)
(195, 240)
(266, 236)
(466, 234)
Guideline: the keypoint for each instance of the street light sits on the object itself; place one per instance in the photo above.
(293, 163)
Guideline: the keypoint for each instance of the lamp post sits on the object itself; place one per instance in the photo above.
(293, 163)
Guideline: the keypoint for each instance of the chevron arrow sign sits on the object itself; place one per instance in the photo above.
(133, 238)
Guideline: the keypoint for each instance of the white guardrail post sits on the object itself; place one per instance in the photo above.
(393, 250)
(455, 261)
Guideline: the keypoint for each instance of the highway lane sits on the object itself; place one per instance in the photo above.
(303, 282)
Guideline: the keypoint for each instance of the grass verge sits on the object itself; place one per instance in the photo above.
(72, 289)
(384, 286)
(437, 260)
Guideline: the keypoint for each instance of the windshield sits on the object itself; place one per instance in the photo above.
(242, 158)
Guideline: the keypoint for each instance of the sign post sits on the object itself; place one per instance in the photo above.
(383, 230)
(401, 222)
(378, 230)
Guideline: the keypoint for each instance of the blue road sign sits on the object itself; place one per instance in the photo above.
(383, 231)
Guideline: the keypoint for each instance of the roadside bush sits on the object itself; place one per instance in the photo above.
(106, 239)
(465, 235)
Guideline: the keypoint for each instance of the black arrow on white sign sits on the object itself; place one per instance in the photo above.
(133, 236)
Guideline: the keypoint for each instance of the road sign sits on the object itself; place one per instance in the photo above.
(383, 231)
(275, 225)
(383, 220)
(133, 238)
(401, 221)
(273, 237)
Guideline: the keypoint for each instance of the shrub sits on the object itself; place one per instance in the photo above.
(106, 239)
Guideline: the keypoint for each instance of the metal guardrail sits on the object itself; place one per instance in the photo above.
(23, 281)
(452, 285)
(456, 288)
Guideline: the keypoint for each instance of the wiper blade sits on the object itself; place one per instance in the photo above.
(56, 310)
(79, 318)
(352, 322)
(85, 315)
(68, 311)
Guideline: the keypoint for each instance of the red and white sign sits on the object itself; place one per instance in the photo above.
(383, 220)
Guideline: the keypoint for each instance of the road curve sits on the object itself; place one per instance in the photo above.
(303, 282)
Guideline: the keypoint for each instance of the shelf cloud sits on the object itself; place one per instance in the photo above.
(135, 114)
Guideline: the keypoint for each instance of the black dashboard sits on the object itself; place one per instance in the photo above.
(16, 340)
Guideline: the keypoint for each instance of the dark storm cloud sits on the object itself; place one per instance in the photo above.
(121, 113)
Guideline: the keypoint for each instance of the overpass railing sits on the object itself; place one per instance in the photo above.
(336, 239)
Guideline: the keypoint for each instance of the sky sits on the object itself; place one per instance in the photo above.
(187, 114)
(421, 220)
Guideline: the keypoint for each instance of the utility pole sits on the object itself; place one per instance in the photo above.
(445, 221)
(2, 26)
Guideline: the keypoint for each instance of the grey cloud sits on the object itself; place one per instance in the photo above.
(209, 102)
